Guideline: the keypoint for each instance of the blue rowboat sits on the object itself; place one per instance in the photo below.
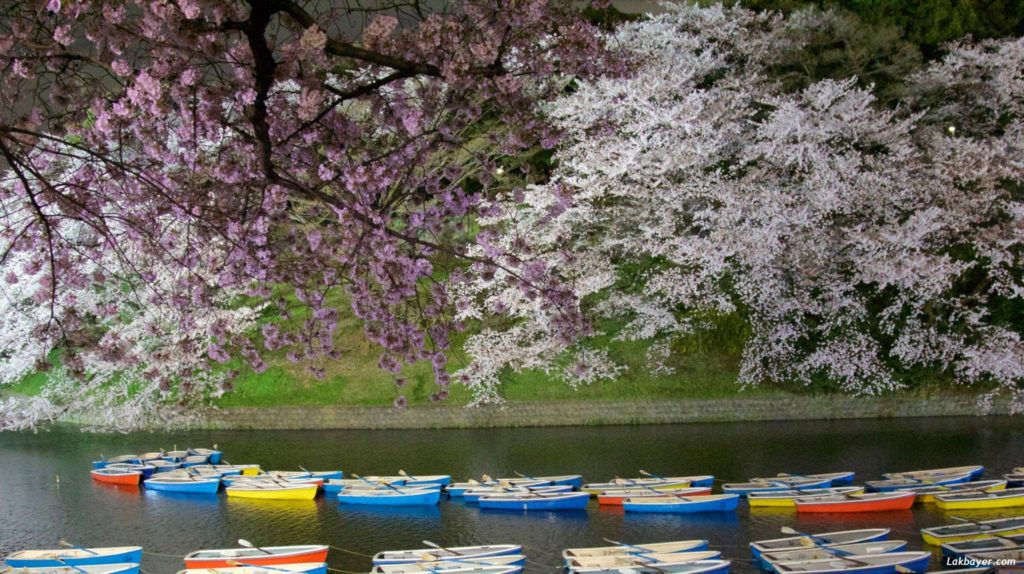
(417, 480)
(125, 568)
(448, 553)
(697, 567)
(194, 460)
(147, 470)
(892, 484)
(573, 480)
(837, 478)
(456, 489)
(890, 563)
(823, 539)
(638, 549)
(820, 553)
(190, 485)
(389, 497)
(74, 557)
(510, 564)
(683, 504)
(212, 455)
(334, 486)
(474, 496)
(162, 465)
(974, 470)
(536, 501)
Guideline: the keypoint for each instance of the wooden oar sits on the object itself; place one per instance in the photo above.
(66, 565)
(63, 542)
(652, 475)
(377, 483)
(246, 544)
(237, 563)
(617, 543)
(403, 473)
(439, 547)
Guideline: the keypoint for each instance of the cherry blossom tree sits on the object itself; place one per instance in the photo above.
(195, 150)
(860, 243)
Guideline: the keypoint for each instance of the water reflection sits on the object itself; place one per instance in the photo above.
(39, 511)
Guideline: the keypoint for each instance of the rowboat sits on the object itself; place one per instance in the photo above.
(194, 460)
(212, 454)
(262, 556)
(823, 553)
(788, 497)
(472, 496)
(838, 478)
(626, 560)
(391, 497)
(410, 480)
(596, 488)
(273, 491)
(975, 471)
(617, 497)
(452, 567)
(826, 539)
(223, 469)
(1004, 558)
(459, 488)
(123, 568)
(188, 485)
(147, 470)
(774, 485)
(98, 464)
(698, 567)
(74, 557)
(983, 545)
(305, 568)
(266, 479)
(926, 494)
(892, 484)
(870, 502)
(940, 535)
(116, 476)
(162, 465)
(515, 561)
(646, 548)
(445, 554)
(975, 500)
(536, 501)
(864, 564)
(573, 480)
(678, 504)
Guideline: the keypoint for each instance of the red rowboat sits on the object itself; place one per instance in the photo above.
(264, 556)
(615, 497)
(114, 476)
(870, 502)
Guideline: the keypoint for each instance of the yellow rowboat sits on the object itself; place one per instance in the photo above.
(785, 498)
(667, 483)
(272, 491)
(927, 494)
(966, 530)
(978, 500)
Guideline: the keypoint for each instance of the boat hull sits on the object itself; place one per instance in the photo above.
(712, 503)
(301, 493)
(58, 558)
(419, 498)
(313, 554)
(122, 478)
(1004, 499)
(208, 486)
(851, 504)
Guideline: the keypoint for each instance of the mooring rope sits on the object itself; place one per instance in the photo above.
(351, 551)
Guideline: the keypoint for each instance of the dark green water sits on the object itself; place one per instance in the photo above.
(37, 511)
